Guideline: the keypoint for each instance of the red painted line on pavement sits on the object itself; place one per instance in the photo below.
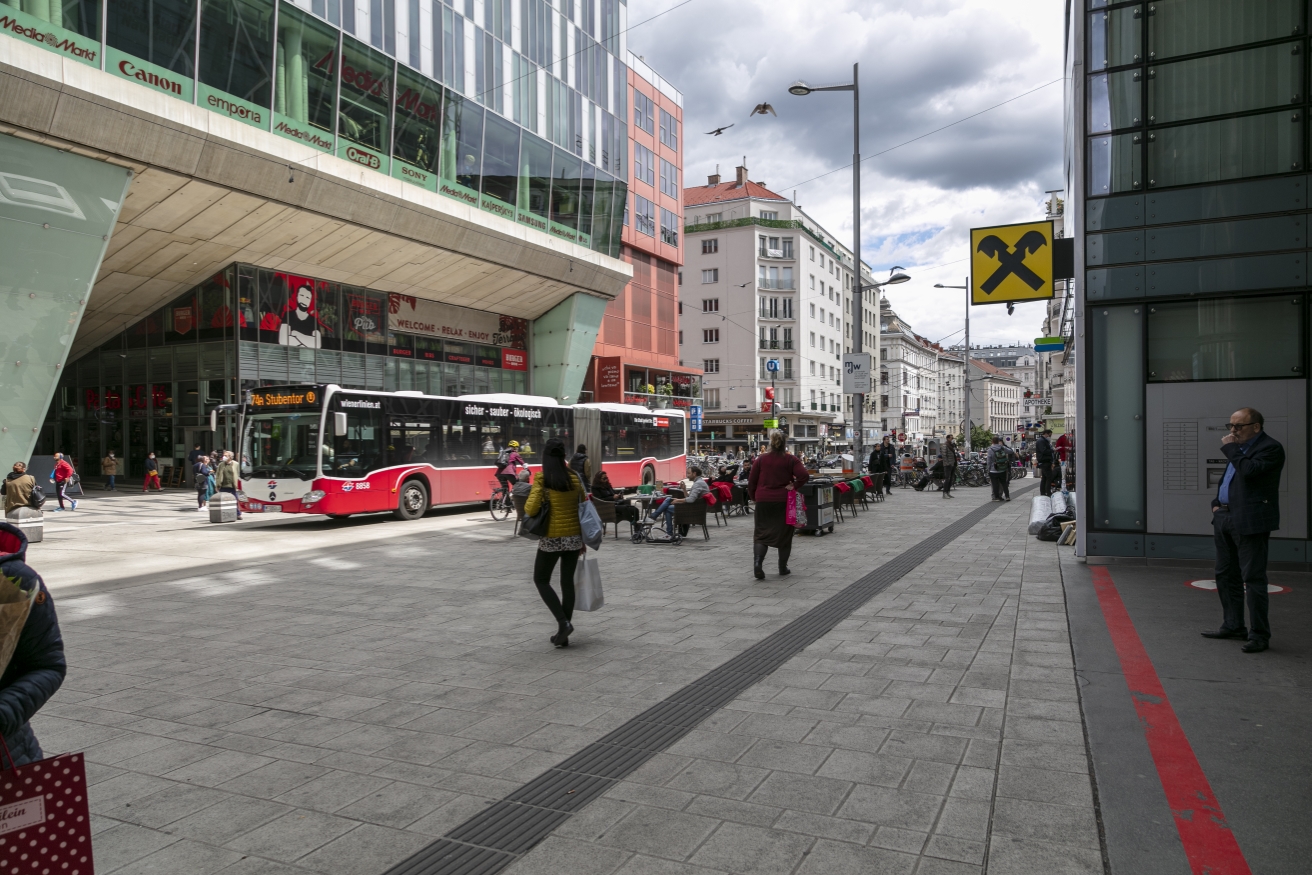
(1209, 844)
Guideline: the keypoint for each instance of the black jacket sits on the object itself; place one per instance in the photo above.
(37, 668)
(1254, 490)
(1043, 452)
(881, 459)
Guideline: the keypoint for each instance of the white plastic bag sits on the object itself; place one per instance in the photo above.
(1040, 509)
(590, 524)
(587, 585)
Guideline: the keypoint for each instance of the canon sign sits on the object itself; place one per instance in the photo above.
(148, 78)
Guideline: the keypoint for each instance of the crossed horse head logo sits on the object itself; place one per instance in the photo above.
(1011, 260)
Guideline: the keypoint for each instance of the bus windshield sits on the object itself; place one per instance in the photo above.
(281, 445)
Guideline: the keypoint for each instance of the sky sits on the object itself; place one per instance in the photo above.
(923, 64)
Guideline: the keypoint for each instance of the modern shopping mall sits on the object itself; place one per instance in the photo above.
(213, 195)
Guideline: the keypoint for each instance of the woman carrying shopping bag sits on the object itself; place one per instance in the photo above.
(774, 478)
(562, 542)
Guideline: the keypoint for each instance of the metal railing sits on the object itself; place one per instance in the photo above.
(776, 285)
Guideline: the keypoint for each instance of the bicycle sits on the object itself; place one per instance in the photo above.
(500, 504)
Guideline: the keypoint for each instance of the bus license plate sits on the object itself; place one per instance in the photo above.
(273, 508)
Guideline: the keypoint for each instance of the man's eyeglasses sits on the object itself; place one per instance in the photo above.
(1235, 426)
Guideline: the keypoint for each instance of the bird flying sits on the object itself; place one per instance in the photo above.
(719, 130)
(762, 109)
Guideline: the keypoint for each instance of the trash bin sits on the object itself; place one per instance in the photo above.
(30, 521)
(818, 492)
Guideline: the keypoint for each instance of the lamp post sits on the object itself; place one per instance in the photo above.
(801, 89)
(965, 386)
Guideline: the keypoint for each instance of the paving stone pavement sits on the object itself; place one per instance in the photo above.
(335, 714)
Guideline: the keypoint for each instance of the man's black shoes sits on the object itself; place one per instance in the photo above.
(1255, 645)
(1227, 633)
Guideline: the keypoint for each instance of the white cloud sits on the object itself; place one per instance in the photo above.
(924, 64)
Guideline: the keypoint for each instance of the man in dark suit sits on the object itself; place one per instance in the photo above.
(881, 462)
(1046, 459)
(1245, 512)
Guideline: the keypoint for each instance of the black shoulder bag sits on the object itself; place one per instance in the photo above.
(535, 527)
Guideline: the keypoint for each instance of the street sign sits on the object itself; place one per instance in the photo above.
(772, 365)
(1049, 344)
(694, 417)
(1011, 263)
(856, 373)
(770, 423)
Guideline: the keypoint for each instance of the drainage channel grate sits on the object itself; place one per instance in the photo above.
(497, 836)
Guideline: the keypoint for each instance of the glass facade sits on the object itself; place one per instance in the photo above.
(334, 75)
(151, 387)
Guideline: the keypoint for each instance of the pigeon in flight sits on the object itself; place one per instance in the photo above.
(762, 109)
(720, 130)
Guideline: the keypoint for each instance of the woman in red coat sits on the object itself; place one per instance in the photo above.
(775, 475)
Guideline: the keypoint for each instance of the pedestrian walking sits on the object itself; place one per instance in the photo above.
(194, 455)
(109, 467)
(775, 476)
(998, 464)
(203, 478)
(581, 465)
(883, 457)
(1047, 461)
(1245, 511)
(62, 475)
(37, 668)
(227, 478)
(152, 473)
(949, 467)
(563, 490)
(18, 488)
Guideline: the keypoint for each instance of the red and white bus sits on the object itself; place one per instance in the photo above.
(328, 450)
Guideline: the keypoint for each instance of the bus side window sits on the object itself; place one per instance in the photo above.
(609, 431)
(361, 449)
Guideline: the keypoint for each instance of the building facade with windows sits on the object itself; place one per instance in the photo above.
(637, 356)
(997, 396)
(1187, 200)
(763, 281)
(920, 384)
(253, 191)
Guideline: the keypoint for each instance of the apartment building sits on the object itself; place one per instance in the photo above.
(764, 281)
(908, 379)
(995, 398)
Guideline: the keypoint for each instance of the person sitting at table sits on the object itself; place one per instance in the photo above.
(523, 484)
(696, 492)
(930, 474)
(724, 475)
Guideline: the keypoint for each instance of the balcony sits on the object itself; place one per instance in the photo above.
(772, 344)
(776, 285)
(790, 405)
(658, 401)
(776, 254)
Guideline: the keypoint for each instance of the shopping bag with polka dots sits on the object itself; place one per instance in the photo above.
(45, 825)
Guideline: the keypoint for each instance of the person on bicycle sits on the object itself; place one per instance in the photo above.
(509, 463)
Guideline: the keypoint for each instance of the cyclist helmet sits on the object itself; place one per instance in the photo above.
(514, 444)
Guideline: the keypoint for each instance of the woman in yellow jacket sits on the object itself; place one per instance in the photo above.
(564, 539)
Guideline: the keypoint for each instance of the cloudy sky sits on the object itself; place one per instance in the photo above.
(924, 64)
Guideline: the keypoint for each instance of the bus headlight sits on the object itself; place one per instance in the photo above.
(312, 497)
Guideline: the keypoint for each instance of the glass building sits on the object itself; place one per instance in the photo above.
(152, 386)
(516, 108)
(1187, 156)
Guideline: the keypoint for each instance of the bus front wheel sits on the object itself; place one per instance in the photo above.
(413, 502)
(648, 476)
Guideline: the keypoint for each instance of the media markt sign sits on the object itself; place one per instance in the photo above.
(49, 37)
(301, 132)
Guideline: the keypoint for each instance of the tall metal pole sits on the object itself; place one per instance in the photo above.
(857, 302)
(966, 386)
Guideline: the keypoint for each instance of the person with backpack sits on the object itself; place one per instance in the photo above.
(63, 475)
(998, 464)
(581, 465)
(18, 488)
(508, 464)
(109, 467)
(203, 477)
(563, 492)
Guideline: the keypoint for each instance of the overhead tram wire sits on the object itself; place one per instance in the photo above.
(929, 133)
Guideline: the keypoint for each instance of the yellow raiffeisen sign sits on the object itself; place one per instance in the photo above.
(1011, 263)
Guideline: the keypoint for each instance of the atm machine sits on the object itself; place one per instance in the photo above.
(1185, 423)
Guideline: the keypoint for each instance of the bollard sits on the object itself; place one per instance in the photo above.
(30, 521)
(223, 508)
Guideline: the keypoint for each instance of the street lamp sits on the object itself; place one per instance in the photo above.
(966, 384)
(801, 89)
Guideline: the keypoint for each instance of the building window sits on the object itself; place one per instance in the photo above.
(710, 335)
(669, 227)
(644, 112)
(788, 308)
(711, 366)
(711, 398)
(710, 276)
(812, 248)
(713, 217)
(669, 179)
(812, 338)
(787, 247)
(680, 338)
(644, 169)
(710, 305)
(669, 131)
(770, 215)
(788, 369)
(644, 216)
(788, 338)
(710, 247)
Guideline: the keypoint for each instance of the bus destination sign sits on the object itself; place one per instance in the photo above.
(266, 399)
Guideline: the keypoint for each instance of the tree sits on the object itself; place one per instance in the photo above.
(979, 437)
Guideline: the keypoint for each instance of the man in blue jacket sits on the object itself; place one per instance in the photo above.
(1245, 512)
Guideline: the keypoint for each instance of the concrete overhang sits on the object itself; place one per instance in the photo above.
(209, 190)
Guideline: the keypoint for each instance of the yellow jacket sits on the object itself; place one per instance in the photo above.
(564, 519)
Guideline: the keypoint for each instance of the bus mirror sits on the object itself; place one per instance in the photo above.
(214, 421)
(339, 424)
